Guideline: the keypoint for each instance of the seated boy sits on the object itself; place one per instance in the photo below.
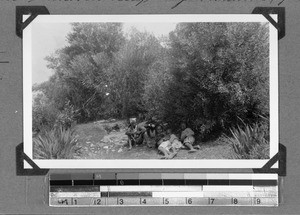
(135, 133)
(187, 137)
(151, 132)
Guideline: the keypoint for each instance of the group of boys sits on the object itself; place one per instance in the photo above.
(152, 133)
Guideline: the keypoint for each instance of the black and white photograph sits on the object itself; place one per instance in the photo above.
(150, 91)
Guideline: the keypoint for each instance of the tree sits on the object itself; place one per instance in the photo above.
(220, 74)
(101, 72)
(156, 84)
(129, 75)
(80, 69)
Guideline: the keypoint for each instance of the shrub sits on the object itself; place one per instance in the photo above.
(59, 143)
(250, 142)
(43, 118)
(66, 117)
(44, 113)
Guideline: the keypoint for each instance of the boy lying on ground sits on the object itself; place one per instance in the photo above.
(188, 139)
(169, 143)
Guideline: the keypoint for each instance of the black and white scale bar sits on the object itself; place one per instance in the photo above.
(83, 182)
(151, 182)
(168, 182)
(127, 194)
(121, 179)
(85, 188)
(61, 182)
(105, 182)
(128, 182)
(166, 191)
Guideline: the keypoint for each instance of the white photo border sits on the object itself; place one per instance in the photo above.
(149, 163)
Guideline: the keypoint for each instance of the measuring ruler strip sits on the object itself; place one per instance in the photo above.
(106, 191)
(163, 197)
(162, 179)
(169, 182)
(163, 201)
(163, 194)
(163, 189)
(156, 188)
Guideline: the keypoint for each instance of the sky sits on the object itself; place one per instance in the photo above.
(46, 38)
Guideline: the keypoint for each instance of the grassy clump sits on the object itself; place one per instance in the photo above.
(58, 143)
(250, 142)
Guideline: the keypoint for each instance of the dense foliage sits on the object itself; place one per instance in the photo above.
(211, 75)
(220, 74)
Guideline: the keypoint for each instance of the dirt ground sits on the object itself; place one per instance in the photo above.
(95, 143)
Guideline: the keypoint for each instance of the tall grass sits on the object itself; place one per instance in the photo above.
(59, 143)
(250, 142)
